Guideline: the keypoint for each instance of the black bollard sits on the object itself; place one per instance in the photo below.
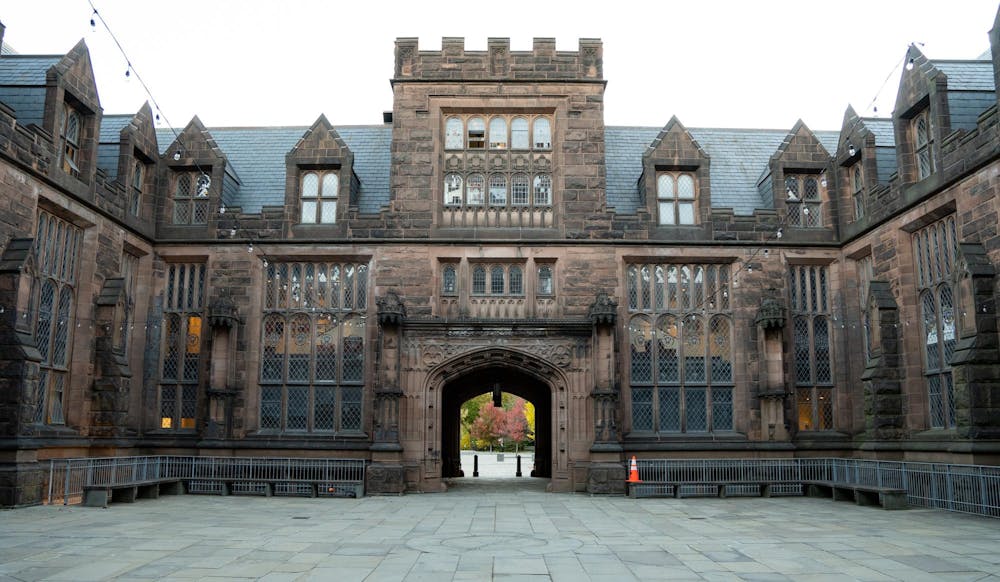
(475, 465)
(518, 474)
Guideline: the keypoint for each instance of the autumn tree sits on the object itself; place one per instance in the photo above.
(516, 423)
(490, 425)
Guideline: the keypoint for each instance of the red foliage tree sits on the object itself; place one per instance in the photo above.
(490, 425)
(516, 423)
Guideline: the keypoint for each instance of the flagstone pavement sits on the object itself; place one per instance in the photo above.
(494, 529)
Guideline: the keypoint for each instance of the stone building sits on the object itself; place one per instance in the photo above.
(340, 291)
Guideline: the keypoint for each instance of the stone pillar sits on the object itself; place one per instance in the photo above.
(882, 378)
(770, 322)
(975, 362)
(112, 377)
(606, 473)
(385, 475)
(223, 321)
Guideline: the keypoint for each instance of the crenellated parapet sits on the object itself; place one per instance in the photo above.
(542, 63)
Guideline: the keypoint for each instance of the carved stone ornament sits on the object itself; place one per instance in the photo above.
(603, 310)
(477, 162)
(222, 312)
(434, 352)
(520, 163)
(391, 310)
(498, 162)
(542, 163)
(454, 163)
(770, 314)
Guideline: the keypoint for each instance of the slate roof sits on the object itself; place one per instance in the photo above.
(26, 70)
(882, 129)
(738, 156)
(111, 127)
(109, 143)
(257, 155)
(967, 75)
(6, 49)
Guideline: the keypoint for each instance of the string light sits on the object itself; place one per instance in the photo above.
(851, 150)
(909, 64)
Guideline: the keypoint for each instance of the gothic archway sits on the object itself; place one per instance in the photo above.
(517, 373)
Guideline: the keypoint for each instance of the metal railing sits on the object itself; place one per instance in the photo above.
(69, 477)
(971, 489)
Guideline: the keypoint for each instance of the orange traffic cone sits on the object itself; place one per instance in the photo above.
(633, 474)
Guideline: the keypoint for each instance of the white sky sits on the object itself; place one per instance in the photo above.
(711, 63)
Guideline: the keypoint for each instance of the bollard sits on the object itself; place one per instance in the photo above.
(475, 465)
(518, 474)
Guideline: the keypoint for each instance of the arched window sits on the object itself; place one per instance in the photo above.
(675, 194)
(319, 197)
(922, 145)
(498, 133)
(479, 280)
(542, 132)
(498, 190)
(858, 191)
(453, 138)
(519, 187)
(449, 285)
(519, 134)
(135, 196)
(475, 188)
(811, 347)
(516, 276)
(453, 190)
(543, 190)
(477, 133)
(545, 280)
(496, 281)
(70, 130)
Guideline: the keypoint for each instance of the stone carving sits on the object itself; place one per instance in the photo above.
(435, 352)
(390, 309)
(454, 162)
(222, 312)
(520, 163)
(770, 314)
(603, 310)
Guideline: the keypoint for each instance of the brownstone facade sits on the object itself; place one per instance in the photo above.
(332, 291)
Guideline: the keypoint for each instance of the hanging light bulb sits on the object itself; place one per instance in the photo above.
(265, 264)
(909, 64)
(93, 20)
(232, 232)
(875, 110)
(222, 209)
(778, 234)
(822, 180)
(157, 119)
(177, 155)
(805, 211)
(128, 72)
(250, 247)
(851, 150)
(767, 252)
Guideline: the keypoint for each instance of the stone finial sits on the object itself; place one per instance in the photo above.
(603, 310)
(391, 310)
(770, 314)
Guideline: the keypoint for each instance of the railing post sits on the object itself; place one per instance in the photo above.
(52, 476)
(518, 473)
(475, 465)
(66, 489)
(949, 487)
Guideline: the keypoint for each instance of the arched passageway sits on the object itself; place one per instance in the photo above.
(511, 380)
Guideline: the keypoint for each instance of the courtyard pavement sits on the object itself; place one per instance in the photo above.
(494, 528)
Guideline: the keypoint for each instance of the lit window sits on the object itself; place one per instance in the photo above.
(675, 194)
(180, 371)
(319, 197)
(811, 339)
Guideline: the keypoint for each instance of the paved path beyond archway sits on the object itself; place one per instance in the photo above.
(475, 533)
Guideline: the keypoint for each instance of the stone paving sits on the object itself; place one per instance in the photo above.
(499, 529)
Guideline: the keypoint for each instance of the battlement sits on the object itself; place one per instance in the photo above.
(543, 62)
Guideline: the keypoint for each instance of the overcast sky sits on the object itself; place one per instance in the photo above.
(713, 64)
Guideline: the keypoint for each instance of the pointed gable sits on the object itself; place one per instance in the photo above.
(796, 182)
(916, 83)
(675, 146)
(801, 149)
(75, 74)
(675, 184)
(141, 133)
(321, 145)
(872, 141)
(321, 151)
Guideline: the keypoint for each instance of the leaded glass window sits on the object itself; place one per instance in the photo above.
(675, 194)
(183, 338)
(923, 145)
(545, 286)
(319, 197)
(453, 138)
(680, 348)
(72, 123)
(138, 184)
(804, 195)
(811, 344)
(865, 275)
(190, 197)
(477, 133)
(449, 284)
(498, 280)
(858, 191)
(313, 347)
(934, 248)
(56, 248)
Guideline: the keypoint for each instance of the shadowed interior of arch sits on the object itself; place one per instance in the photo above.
(512, 381)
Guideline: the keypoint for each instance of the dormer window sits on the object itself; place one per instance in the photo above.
(319, 197)
(191, 197)
(135, 193)
(676, 198)
(858, 191)
(922, 144)
(70, 132)
(804, 201)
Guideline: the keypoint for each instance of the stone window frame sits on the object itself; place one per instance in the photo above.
(311, 305)
(935, 251)
(53, 308)
(183, 346)
(190, 191)
(922, 134)
(811, 304)
(805, 210)
(673, 200)
(449, 280)
(663, 314)
(508, 277)
(452, 131)
(857, 182)
(137, 185)
(545, 272)
(322, 201)
(71, 127)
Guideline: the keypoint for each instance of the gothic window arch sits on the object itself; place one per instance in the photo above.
(680, 348)
(453, 135)
(319, 191)
(498, 133)
(923, 143)
(180, 368)
(542, 132)
(858, 191)
(519, 134)
(313, 347)
(811, 344)
(675, 194)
